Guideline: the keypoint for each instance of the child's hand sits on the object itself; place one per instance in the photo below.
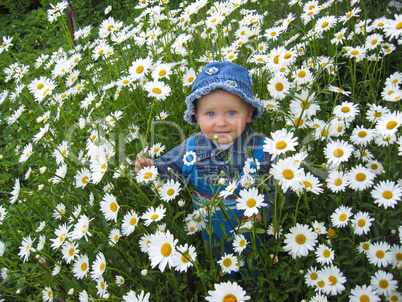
(143, 162)
(256, 218)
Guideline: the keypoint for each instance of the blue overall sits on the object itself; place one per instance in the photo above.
(203, 195)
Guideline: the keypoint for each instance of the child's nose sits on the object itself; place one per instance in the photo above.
(221, 121)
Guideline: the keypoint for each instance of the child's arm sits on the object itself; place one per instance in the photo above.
(142, 162)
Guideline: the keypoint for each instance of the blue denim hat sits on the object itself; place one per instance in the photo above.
(225, 75)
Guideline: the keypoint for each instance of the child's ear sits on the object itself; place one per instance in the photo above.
(250, 113)
(196, 116)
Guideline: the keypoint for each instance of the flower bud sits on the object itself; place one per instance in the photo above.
(216, 137)
(71, 292)
(18, 291)
(222, 181)
(393, 231)
(40, 187)
(106, 296)
(1, 156)
(144, 272)
(181, 203)
(42, 170)
(301, 272)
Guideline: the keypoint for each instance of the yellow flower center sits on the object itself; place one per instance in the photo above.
(333, 280)
(279, 86)
(313, 276)
(345, 109)
(154, 216)
(361, 223)
(185, 258)
(190, 79)
(298, 122)
(288, 174)
(301, 239)
(360, 177)
(113, 207)
(387, 194)
(156, 90)
(276, 59)
(162, 73)
(338, 153)
(383, 283)
(365, 246)
(251, 202)
(287, 56)
(391, 125)
(399, 26)
(308, 184)
(110, 27)
(166, 250)
(229, 298)
(301, 74)
(116, 237)
(84, 267)
(325, 24)
(362, 134)
(326, 254)
(170, 192)
(398, 256)
(338, 182)
(354, 52)
(281, 145)
(62, 236)
(227, 262)
(133, 221)
(343, 217)
(242, 243)
(147, 175)
(348, 15)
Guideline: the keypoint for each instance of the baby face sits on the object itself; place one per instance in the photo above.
(222, 114)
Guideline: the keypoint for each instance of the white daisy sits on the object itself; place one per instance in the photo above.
(250, 201)
(387, 193)
(239, 243)
(324, 254)
(282, 141)
(98, 266)
(384, 283)
(300, 240)
(379, 254)
(360, 178)
(364, 292)
(169, 190)
(161, 251)
(341, 216)
(361, 223)
(153, 215)
(228, 263)
(109, 207)
(184, 257)
(227, 291)
(130, 221)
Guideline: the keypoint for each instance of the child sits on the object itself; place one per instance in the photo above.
(222, 105)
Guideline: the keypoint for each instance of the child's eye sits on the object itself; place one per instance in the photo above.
(231, 112)
(210, 114)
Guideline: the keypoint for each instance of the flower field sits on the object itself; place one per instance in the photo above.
(77, 223)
